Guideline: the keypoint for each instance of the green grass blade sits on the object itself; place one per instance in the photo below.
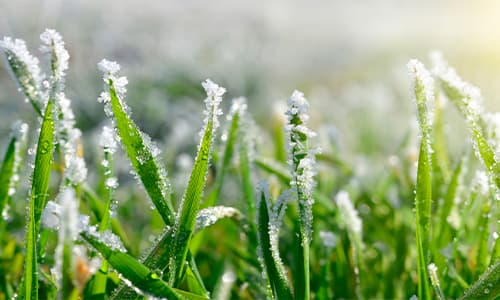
(6, 172)
(190, 204)
(424, 92)
(12, 162)
(97, 206)
(157, 258)
(487, 287)
(448, 202)
(138, 274)
(467, 98)
(38, 197)
(193, 277)
(226, 159)
(274, 269)
(302, 160)
(143, 160)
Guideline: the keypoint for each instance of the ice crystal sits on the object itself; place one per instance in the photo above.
(53, 45)
(209, 216)
(118, 84)
(108, 139)
(214, 98)
(423, 95)
(301, 157)
(106, 237)
(112, 183)
(51, 215)
(276, 213)
(76, 171)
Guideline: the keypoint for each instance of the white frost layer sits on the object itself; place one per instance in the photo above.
(108, 140)
(53, 44)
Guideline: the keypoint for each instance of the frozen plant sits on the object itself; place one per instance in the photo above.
(25, 70)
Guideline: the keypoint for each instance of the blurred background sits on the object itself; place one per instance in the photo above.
(349, 57)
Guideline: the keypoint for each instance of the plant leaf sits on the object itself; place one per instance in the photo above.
(487, 286)
(138, 274)
(38, 197)
(279, 283)
(143, 160)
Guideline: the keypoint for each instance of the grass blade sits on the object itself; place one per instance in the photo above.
(467, 98)
(138, 274)
(25, 70)
(185, 223)
(424, 93)
(227, 155)
(272, 264)
(487, 287)
(12, 163)
(38, 197)
(302, 162)
(141, 152)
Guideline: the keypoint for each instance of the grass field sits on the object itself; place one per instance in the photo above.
(257, 210)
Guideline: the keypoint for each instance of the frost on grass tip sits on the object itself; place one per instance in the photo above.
(214, 98)
(53, 45)
(25, 70)
(302, 158)
(119, 84)
(209, 216)
(423, 93)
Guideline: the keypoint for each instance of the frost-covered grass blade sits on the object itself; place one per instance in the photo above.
(37, 201)
(423, 88)
(138, 275)
(139, 149)
(274, 268)
(186, 220)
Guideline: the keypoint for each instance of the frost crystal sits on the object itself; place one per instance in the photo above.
(108, 140)
(107, 237)
(25, 70)
(209, 216)
(423, 93)
(53, 45)
(112, 183)
(212, 102)
(433, 275)
(349, 213)
(301, 158)
(118, 84)
(276, 213)
(51, 215)
(76, 171)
